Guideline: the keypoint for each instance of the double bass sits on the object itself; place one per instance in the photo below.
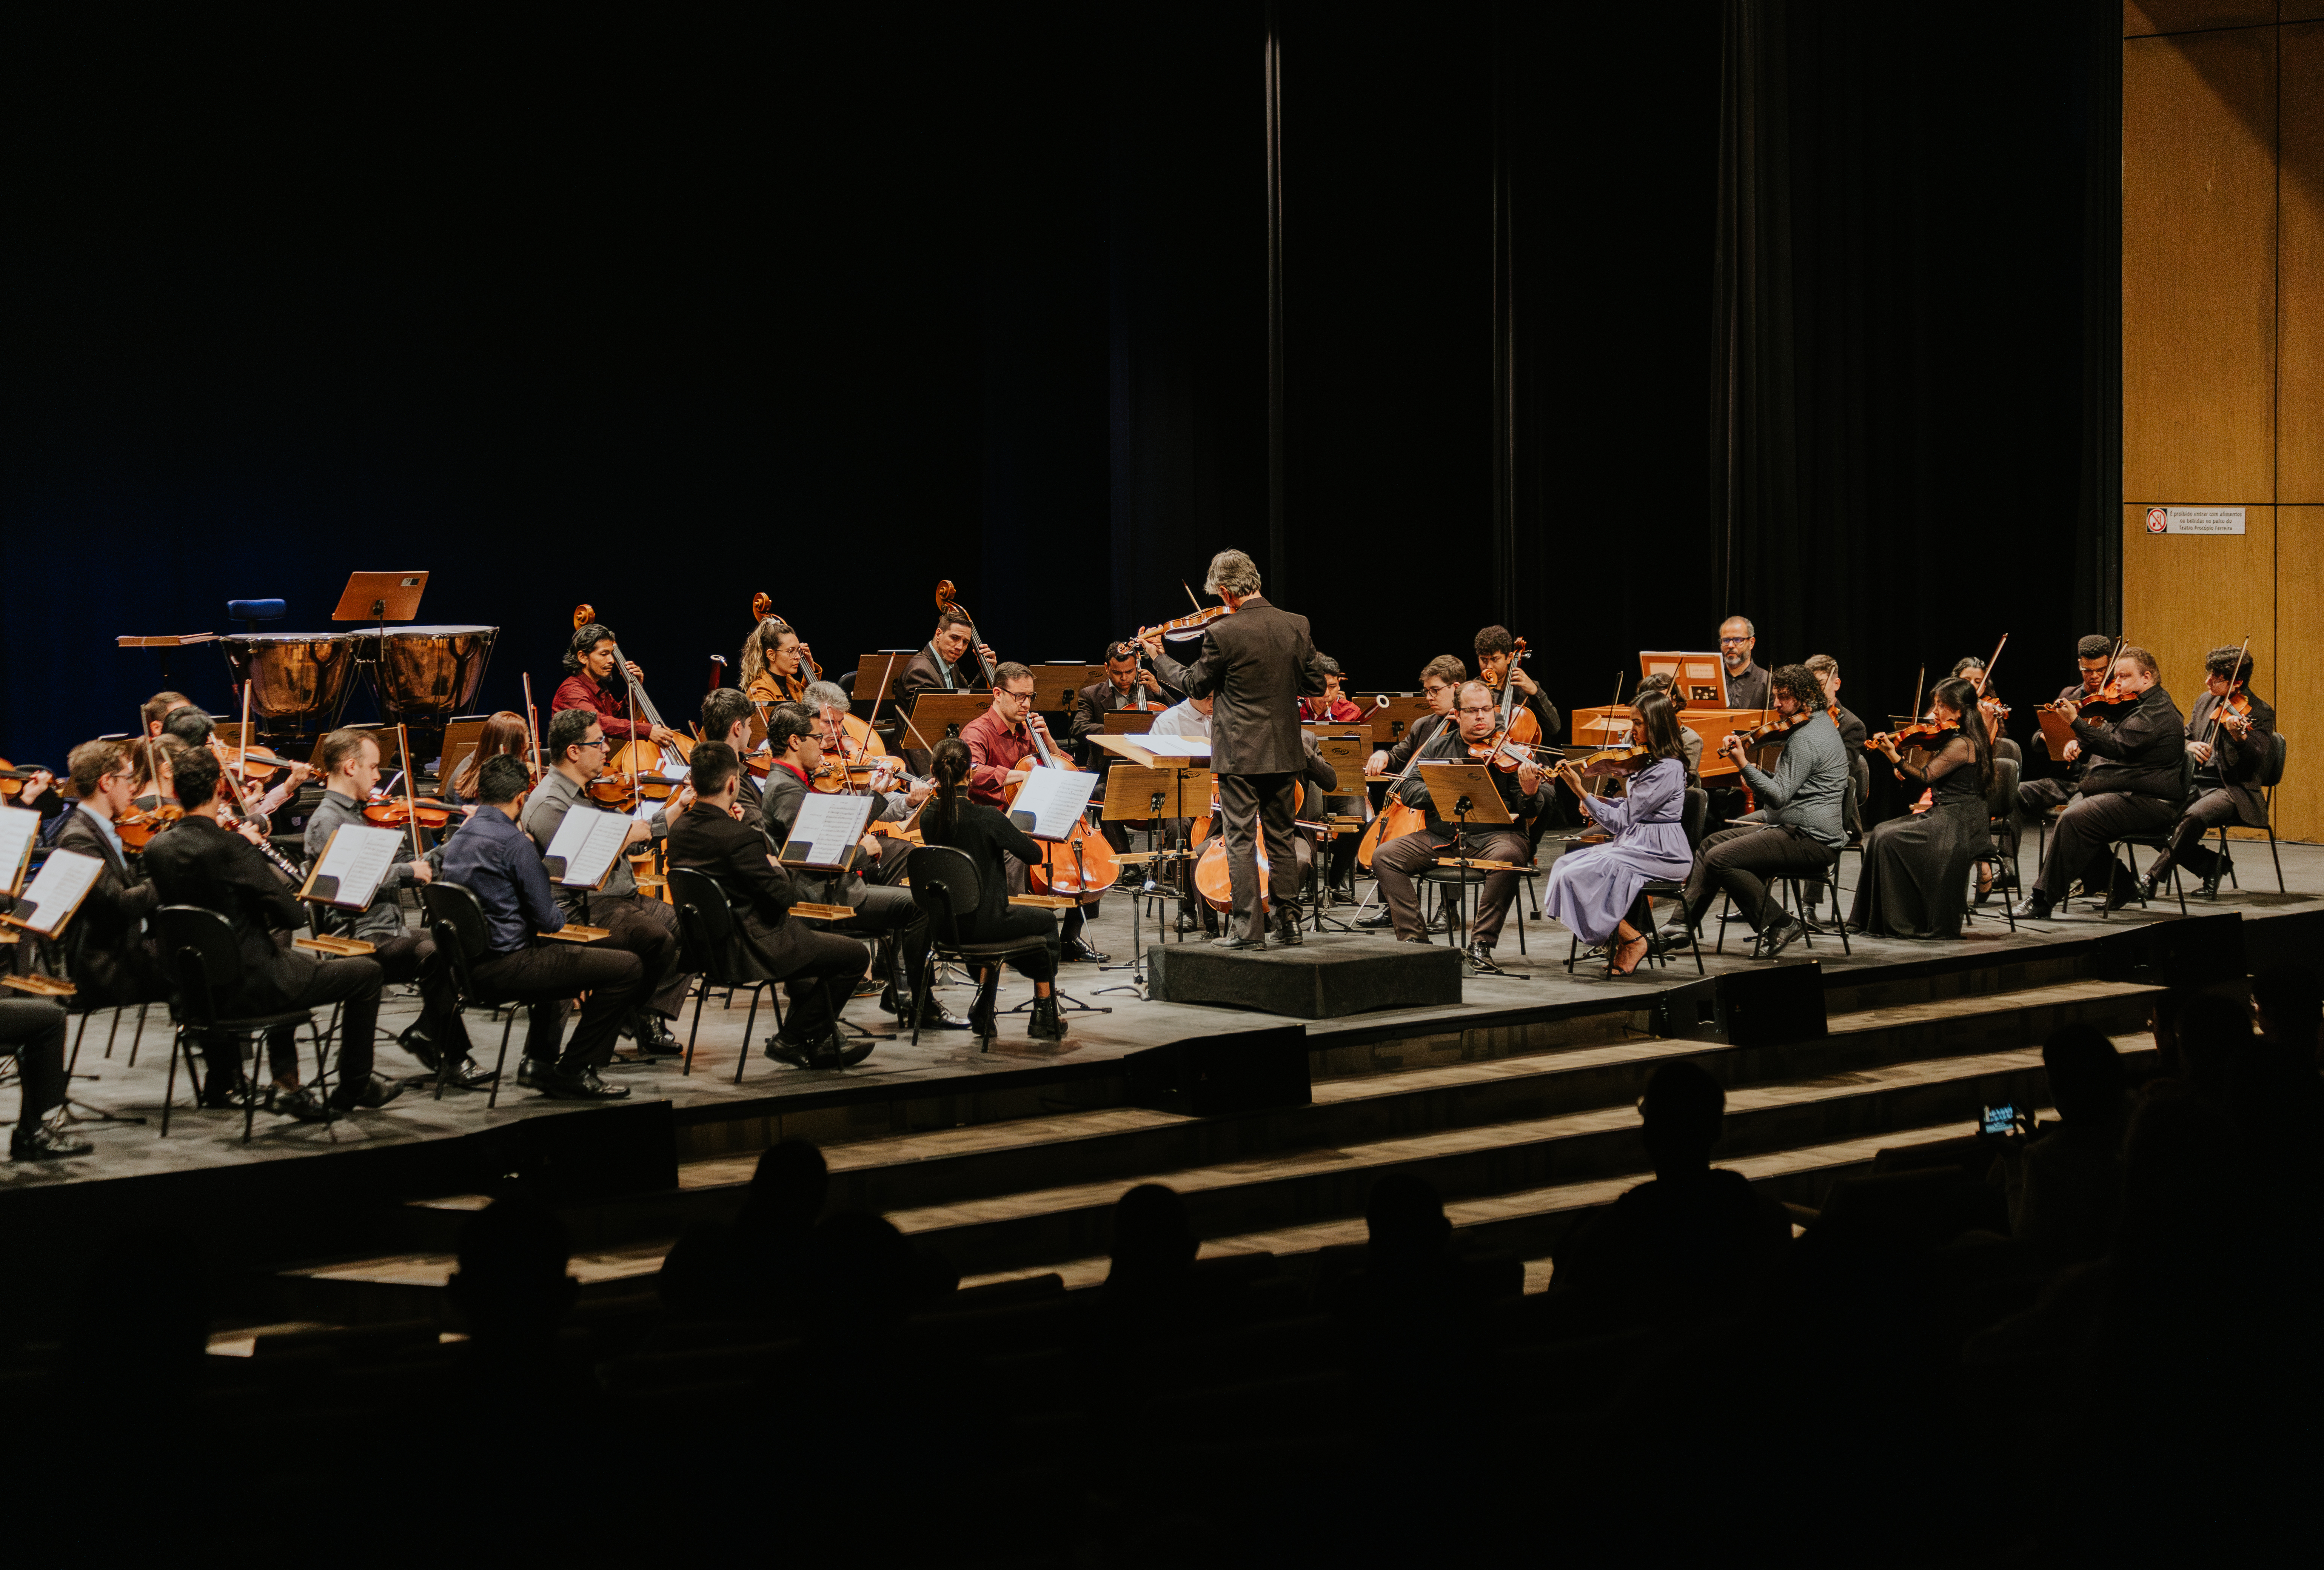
(637, 767)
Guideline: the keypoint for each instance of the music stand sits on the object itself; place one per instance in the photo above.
(1154, 796)
(1698, 681)
(380, 597)
(937, 715)
(1058, 685)
(875, 674)
(1474, 798)
(1131, 722)
(1389, 715)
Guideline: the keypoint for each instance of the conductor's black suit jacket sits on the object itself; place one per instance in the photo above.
(1258, 664)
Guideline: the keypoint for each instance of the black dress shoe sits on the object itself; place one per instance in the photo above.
(2034, 906)
(227, 1095)
(1776, 939)
(782, 1048)
(2211, 883)
(1081, 952)
(302, 1103)
(529, 1070)
(850, 1055)
(421, 1045)
(935, 1016)
(1481, 960)
(1371, 923)
(654, 1039)
(1046, 1024)
(41, 1142)
(470, 1074)
(369, 1091)
(580, 1083)
(1287, 928)
(1230, 943)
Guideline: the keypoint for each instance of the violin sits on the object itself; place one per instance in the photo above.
(1926, 730)
(1179, 626)
(1778, 726)
(2108, 700)
(1619, 763)
(138, 828)
(392, 814)
(13, 780)
(2235, 714)
(855, 759)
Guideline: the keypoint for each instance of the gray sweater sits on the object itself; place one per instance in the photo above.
(1809, 782)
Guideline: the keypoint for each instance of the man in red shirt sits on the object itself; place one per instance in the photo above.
(595, 685)
(1334, 705)
(1001, 753)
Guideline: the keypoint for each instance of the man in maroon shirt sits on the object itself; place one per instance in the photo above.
(593, 684)
(1000, 751)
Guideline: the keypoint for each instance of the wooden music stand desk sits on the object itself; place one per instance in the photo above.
(936, 714)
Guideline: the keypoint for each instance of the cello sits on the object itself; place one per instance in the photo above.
(1518, 726)
(1082, 864)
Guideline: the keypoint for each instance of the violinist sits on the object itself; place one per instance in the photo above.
(193, 727)
(774, 663)
(2232, 742)
(1797, 831)
(812, 964)
(1258, 663)
(2095, 655)
(1477, 717)
(1853, 734)
(575, 754)
(1497, 663)
(111, 960)
(595, 685)
(1748, 684)
(1440, 683)
(1970, 668)
(726, 719)
(1334, 706)
(1915, 865)
(504, 734)
(351, 760)
(848, 740)
(1595, 890)
(884, 914)
(2133, 786)
(199, 862)
(160, 708)
(1001, 753)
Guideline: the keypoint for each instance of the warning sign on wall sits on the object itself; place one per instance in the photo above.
(2194, 520)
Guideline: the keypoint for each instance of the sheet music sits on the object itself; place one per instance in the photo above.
(18, 829)
(1175, 746)
(582, 851)
(1050, 800)
(827, 828)
(348, 872)
(64, 882)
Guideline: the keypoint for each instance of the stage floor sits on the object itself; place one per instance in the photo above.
(773, 1098)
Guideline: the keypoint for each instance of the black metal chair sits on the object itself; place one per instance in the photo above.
(946, 887)
(1692, 817)
(456, 920)
(717, 950)
(2000, 804)
(2157, 842)
(199, 955)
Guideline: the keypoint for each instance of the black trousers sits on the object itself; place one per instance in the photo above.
(1740, 861)
(2078, 839)
(2036, 797)
(1250, 805)
(353, 983)
(819, 974)
(1069, 922)
(648, 929)
(33, 1030)
(886, 914)
(1020, 922)
(2211, 808)
(614, 978)
(411, 956)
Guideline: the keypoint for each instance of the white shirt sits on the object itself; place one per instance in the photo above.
(1181, 719)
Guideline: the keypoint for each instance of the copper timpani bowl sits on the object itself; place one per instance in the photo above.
(290, 673)
(433, 669)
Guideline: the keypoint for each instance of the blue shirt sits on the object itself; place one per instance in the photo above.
(497, 862)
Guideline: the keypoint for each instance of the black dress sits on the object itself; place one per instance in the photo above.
(985, 836)
(1914, 881)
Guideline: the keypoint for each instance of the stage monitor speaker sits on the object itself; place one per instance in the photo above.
(1764, 1007)
(1233, 1072)
(2176, 951)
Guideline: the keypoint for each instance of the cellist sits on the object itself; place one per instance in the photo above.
(1497, 663)
(1001, 753)
(776, 665)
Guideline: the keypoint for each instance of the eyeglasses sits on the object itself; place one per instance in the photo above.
(1489, 708)
(1725, 640)
(600, 742)
(1019, 696)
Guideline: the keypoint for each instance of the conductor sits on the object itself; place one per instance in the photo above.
(1255, 664)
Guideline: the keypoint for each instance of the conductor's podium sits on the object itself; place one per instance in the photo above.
(1595, 727)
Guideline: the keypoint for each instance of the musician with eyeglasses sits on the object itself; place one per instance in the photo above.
(1002, 751)
(1748, 683)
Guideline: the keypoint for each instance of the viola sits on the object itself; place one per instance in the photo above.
(392, 814)
(137, 829)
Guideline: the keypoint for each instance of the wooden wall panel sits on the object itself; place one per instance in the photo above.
(2302, 11)
(2142, 17)
(2199, 268)
(2296, 687)
(2185, 594)
(2300, 412)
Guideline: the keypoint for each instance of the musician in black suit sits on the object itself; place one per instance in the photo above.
(2230, 749)
(2134, 784)
(106, 952)
(1257, 664)
(944, 663)
(198, 862)
(817, 968)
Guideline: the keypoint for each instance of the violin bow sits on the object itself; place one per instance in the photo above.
(532, 725)
(410, 808)
(241, 762)
(1987, 675)
(1191, 597)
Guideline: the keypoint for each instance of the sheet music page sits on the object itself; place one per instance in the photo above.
(1173, 746)
(1050, 799)
(355, 860)
(64, 882)
(588, 840)
(827, 825)
(18, 827)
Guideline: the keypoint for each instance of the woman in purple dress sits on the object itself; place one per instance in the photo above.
(1593, 889)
